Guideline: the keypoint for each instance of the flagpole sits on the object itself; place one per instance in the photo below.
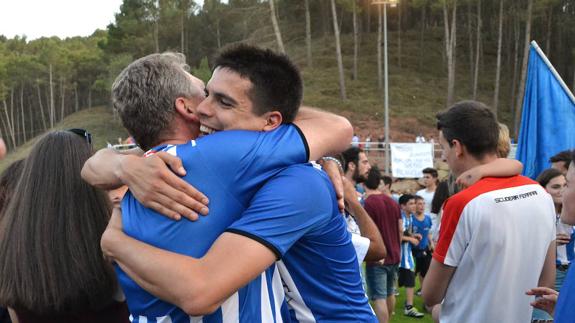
(557, 76)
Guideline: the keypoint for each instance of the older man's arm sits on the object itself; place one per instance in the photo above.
(326, 133)
(150, 179)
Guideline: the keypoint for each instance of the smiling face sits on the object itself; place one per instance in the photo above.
(228, 104)
(555, 188)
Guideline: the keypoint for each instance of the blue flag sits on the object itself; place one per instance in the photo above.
(548, 118)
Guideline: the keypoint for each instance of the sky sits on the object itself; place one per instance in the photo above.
(62, 18)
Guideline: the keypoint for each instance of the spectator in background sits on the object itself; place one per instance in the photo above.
(52, 267)
(356, 166)
(422, 251)
(385, 185)
(367, 143)
(554, 183)
(546, 299)
(381, 275)
(8, 181)
(483, 221)
(561, 161)
(430, 182)
(355, 141)
(407, 264)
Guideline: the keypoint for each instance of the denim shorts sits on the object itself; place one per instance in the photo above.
(380, 280)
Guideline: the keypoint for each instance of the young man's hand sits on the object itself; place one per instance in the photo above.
(545, 298)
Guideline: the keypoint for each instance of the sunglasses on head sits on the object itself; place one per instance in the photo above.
(82, 133)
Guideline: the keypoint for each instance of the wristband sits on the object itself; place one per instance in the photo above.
(335, 160)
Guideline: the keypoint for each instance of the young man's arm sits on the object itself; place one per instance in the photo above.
(366, 225)
(436, 282)
(547, 277)
(197, 286)
(326, 133)
(157, 187)
(501, 167)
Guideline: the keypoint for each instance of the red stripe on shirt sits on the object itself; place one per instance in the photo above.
(454, 206)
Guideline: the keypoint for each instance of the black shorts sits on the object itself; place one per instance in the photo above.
(406, 278)
(422, 262)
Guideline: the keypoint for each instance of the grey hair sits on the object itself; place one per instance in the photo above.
(145, 92)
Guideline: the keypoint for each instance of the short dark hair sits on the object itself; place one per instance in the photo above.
(431, 171)
(417, 197)
(547, 175)
(473, 124)
(350, 155)
(145, 92)
(565, 156)
(50, 234)
(373, 178)
(387, 180)
(405, 198)
(276, 81)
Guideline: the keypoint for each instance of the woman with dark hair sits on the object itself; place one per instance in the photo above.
(8, 180)
(52, 267)
(554, 183)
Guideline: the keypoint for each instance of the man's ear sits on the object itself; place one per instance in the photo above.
(459, 148)
(184, 109)
(273, 120)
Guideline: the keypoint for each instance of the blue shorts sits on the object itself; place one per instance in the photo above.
(380, 280)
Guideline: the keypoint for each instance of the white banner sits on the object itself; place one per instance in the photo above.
(408, 160)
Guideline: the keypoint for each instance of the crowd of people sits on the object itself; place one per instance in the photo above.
(221, 217)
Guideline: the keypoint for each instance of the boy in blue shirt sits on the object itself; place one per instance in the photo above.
(423, 251)
(406, 275)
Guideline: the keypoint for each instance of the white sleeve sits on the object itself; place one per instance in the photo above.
(361, 245)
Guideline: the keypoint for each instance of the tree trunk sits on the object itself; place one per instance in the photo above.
(379, 40)
(450, 46)
(308, 34)
(22, 112)
(41, 105)
(498, 70)
(10, 129)
(399, 34)
(516, 33)
(421, 34)
(52, 108)
(338, 53)
(549, 26)
(470, 44)
(62, 98)
(218, 34)
(276, 27)
(477, 50)
(183, 28)
(355, 42)
(368, 29)
(76, 100)
(521, 91)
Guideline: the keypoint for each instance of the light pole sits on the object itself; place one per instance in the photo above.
(384, 3)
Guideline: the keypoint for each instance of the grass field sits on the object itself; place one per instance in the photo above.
(400, 300)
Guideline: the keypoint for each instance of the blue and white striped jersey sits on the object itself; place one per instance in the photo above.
(229, 167)
(295, 214)
(407, 261)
